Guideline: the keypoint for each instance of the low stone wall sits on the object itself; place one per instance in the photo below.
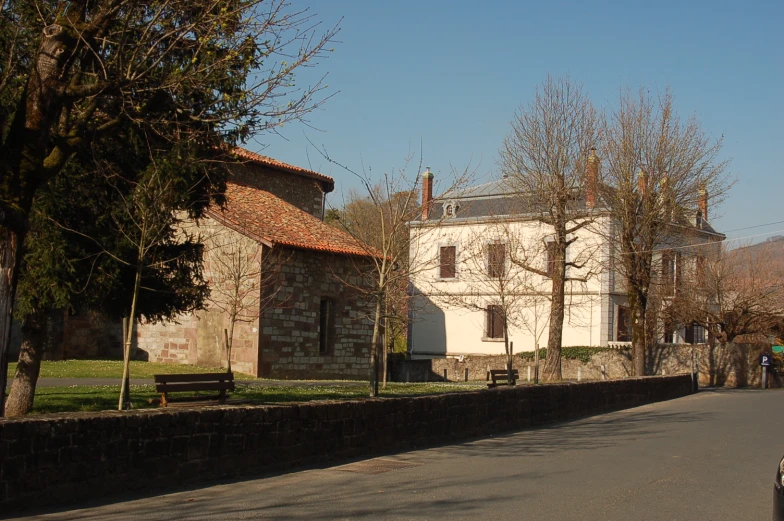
(52, 459)
(733, 365)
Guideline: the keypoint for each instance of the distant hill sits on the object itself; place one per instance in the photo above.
(771, 251)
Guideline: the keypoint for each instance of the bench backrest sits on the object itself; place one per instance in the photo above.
(194, 382)
(501, 374)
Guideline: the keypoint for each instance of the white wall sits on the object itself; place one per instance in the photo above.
(447, 314)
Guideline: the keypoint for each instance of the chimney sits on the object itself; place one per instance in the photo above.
(702, 202)
(427, 193)
(642, 182)
(591, 178)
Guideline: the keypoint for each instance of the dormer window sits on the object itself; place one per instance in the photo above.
(450, 208)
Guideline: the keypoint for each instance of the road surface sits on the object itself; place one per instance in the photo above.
(711, 456)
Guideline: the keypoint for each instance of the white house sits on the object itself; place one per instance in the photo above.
(464, 245)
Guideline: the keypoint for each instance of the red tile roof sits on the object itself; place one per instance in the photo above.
(264, 217)
(280, 165)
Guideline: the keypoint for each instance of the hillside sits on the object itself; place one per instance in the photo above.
(770, 251)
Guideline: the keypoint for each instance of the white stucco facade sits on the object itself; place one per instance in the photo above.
(449, 315)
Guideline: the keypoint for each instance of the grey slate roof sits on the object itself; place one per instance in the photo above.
(493, 199)
(499, 198)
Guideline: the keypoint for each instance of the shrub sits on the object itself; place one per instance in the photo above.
(581, 353)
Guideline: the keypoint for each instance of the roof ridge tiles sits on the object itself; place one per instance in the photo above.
(254, 157)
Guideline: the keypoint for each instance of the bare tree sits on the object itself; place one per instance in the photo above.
(245, 278)
(361, 217)
(392, 250)
(655, 166)
(545, 159)
(731, 293)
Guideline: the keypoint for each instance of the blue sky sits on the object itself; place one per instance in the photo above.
(450, 75)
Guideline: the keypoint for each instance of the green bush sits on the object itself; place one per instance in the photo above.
(400, 345)
(529, 355)
(581, 353)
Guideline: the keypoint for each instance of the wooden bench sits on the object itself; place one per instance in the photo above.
(502, 375)
(181, 383)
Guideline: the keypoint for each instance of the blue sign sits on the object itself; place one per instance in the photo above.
(764, 360)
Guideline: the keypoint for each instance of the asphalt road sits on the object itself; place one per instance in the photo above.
(711, 456)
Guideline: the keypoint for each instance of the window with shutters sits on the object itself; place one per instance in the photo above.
(670, 333)
(623, 331)
(447, 260)
(694, 334)
(495, 322)
(496, 260)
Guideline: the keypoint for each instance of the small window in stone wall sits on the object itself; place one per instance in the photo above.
(326, 326)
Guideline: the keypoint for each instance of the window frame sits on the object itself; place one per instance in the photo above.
(441, 247)
(326, 326)
(493, 312)
(694, 334)
(625, 309)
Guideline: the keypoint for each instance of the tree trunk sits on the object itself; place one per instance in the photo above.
(552, 364)
(228, 337)
(125, 399)
(34, 332)
(21, 176)
(10, 253)
(637, 309)
(374, 349)
(385, 352)
(536, 363)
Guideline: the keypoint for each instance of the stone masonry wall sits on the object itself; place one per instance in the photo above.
(89, 334)
(729, 366)
(289, 341)
(304, 193)
(198, 338)
(52, 459)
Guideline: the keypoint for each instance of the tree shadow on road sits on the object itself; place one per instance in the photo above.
(279, 498)
(586, 434)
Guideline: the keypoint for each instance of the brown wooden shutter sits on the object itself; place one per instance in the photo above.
(495, 322)
(447, 261)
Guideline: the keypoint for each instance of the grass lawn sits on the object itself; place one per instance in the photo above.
(113, 369)
(103, 397)
(99, 398)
